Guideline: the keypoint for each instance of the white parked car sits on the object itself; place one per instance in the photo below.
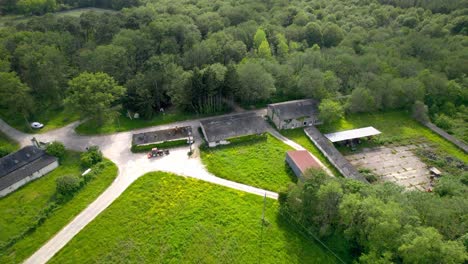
(37, 125)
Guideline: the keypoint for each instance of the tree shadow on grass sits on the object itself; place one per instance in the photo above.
(301, 242)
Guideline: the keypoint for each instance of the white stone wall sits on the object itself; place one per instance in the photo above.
(29, 178)
(217, 143)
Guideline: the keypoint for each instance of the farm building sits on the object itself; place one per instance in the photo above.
(23, 166)
(218, 130)
(300, 161)
(160, 136)
(294, 114)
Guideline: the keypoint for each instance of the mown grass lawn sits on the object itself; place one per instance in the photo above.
(397, 127)
(164, 218)
(123, 123)
(7, 145)
(298, 135)
(52, 119)
(20, 209)
(258, 163)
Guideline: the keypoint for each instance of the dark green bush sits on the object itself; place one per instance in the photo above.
(56, 149)
(91, 157)
(4, 151)
(67, 185)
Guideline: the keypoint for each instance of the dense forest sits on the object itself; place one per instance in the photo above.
(383, 223)
(196, 55)
(199, 56)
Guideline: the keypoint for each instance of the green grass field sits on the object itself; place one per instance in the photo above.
(20, 209)
(52, 119)
(298, 135)
(163, 218)
(260, 163)
(397, 128)
(7, 145)
(123, 123)
(12, 20)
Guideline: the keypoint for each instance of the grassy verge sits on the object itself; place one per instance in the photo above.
(397, 128)
(298, 135)
(163, 218)
(52, 119)
(7, 145)
(259, 163)
(167, 144)
(123, 123)
(21, 208)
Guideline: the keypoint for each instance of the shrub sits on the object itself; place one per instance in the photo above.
(67, 185)
(420, 112)
(91, 157)
(370, 177)
(330, 111)
(56, 149)
(443, 122)
(4, 151)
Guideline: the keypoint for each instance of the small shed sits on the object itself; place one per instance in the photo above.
(23, 166)
(300, 161)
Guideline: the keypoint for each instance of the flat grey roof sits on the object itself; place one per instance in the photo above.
(352, 134)
(224, 127)
(295, 109)
(161, 135)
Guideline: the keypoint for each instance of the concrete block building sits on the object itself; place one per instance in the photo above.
(294, 114)
(218, 130)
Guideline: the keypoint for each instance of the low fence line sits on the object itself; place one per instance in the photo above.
(439, 131)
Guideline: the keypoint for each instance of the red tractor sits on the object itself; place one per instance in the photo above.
(155, 152)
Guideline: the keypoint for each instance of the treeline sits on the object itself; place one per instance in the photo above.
(198, 56)
(441, 6)
(40, 7)
(382, 223)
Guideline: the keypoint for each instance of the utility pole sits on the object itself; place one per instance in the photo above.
(261, 232)
(190, 140)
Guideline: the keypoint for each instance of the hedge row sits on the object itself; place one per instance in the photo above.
(166, 144)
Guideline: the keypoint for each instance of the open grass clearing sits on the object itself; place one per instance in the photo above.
(52, 119)
(163, 218)
(20, 209)
(123, 123)
(397, 128)
(13, 20)
(7, 145)
(259, 163)
(78, 11)
(298, 135)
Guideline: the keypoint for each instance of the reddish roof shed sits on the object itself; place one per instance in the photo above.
(300, 161)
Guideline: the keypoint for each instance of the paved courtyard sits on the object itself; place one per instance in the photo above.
(396, 164)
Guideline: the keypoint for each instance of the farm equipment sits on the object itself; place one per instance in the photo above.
(155, 152)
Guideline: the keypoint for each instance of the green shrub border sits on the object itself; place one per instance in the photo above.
(166, 144)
